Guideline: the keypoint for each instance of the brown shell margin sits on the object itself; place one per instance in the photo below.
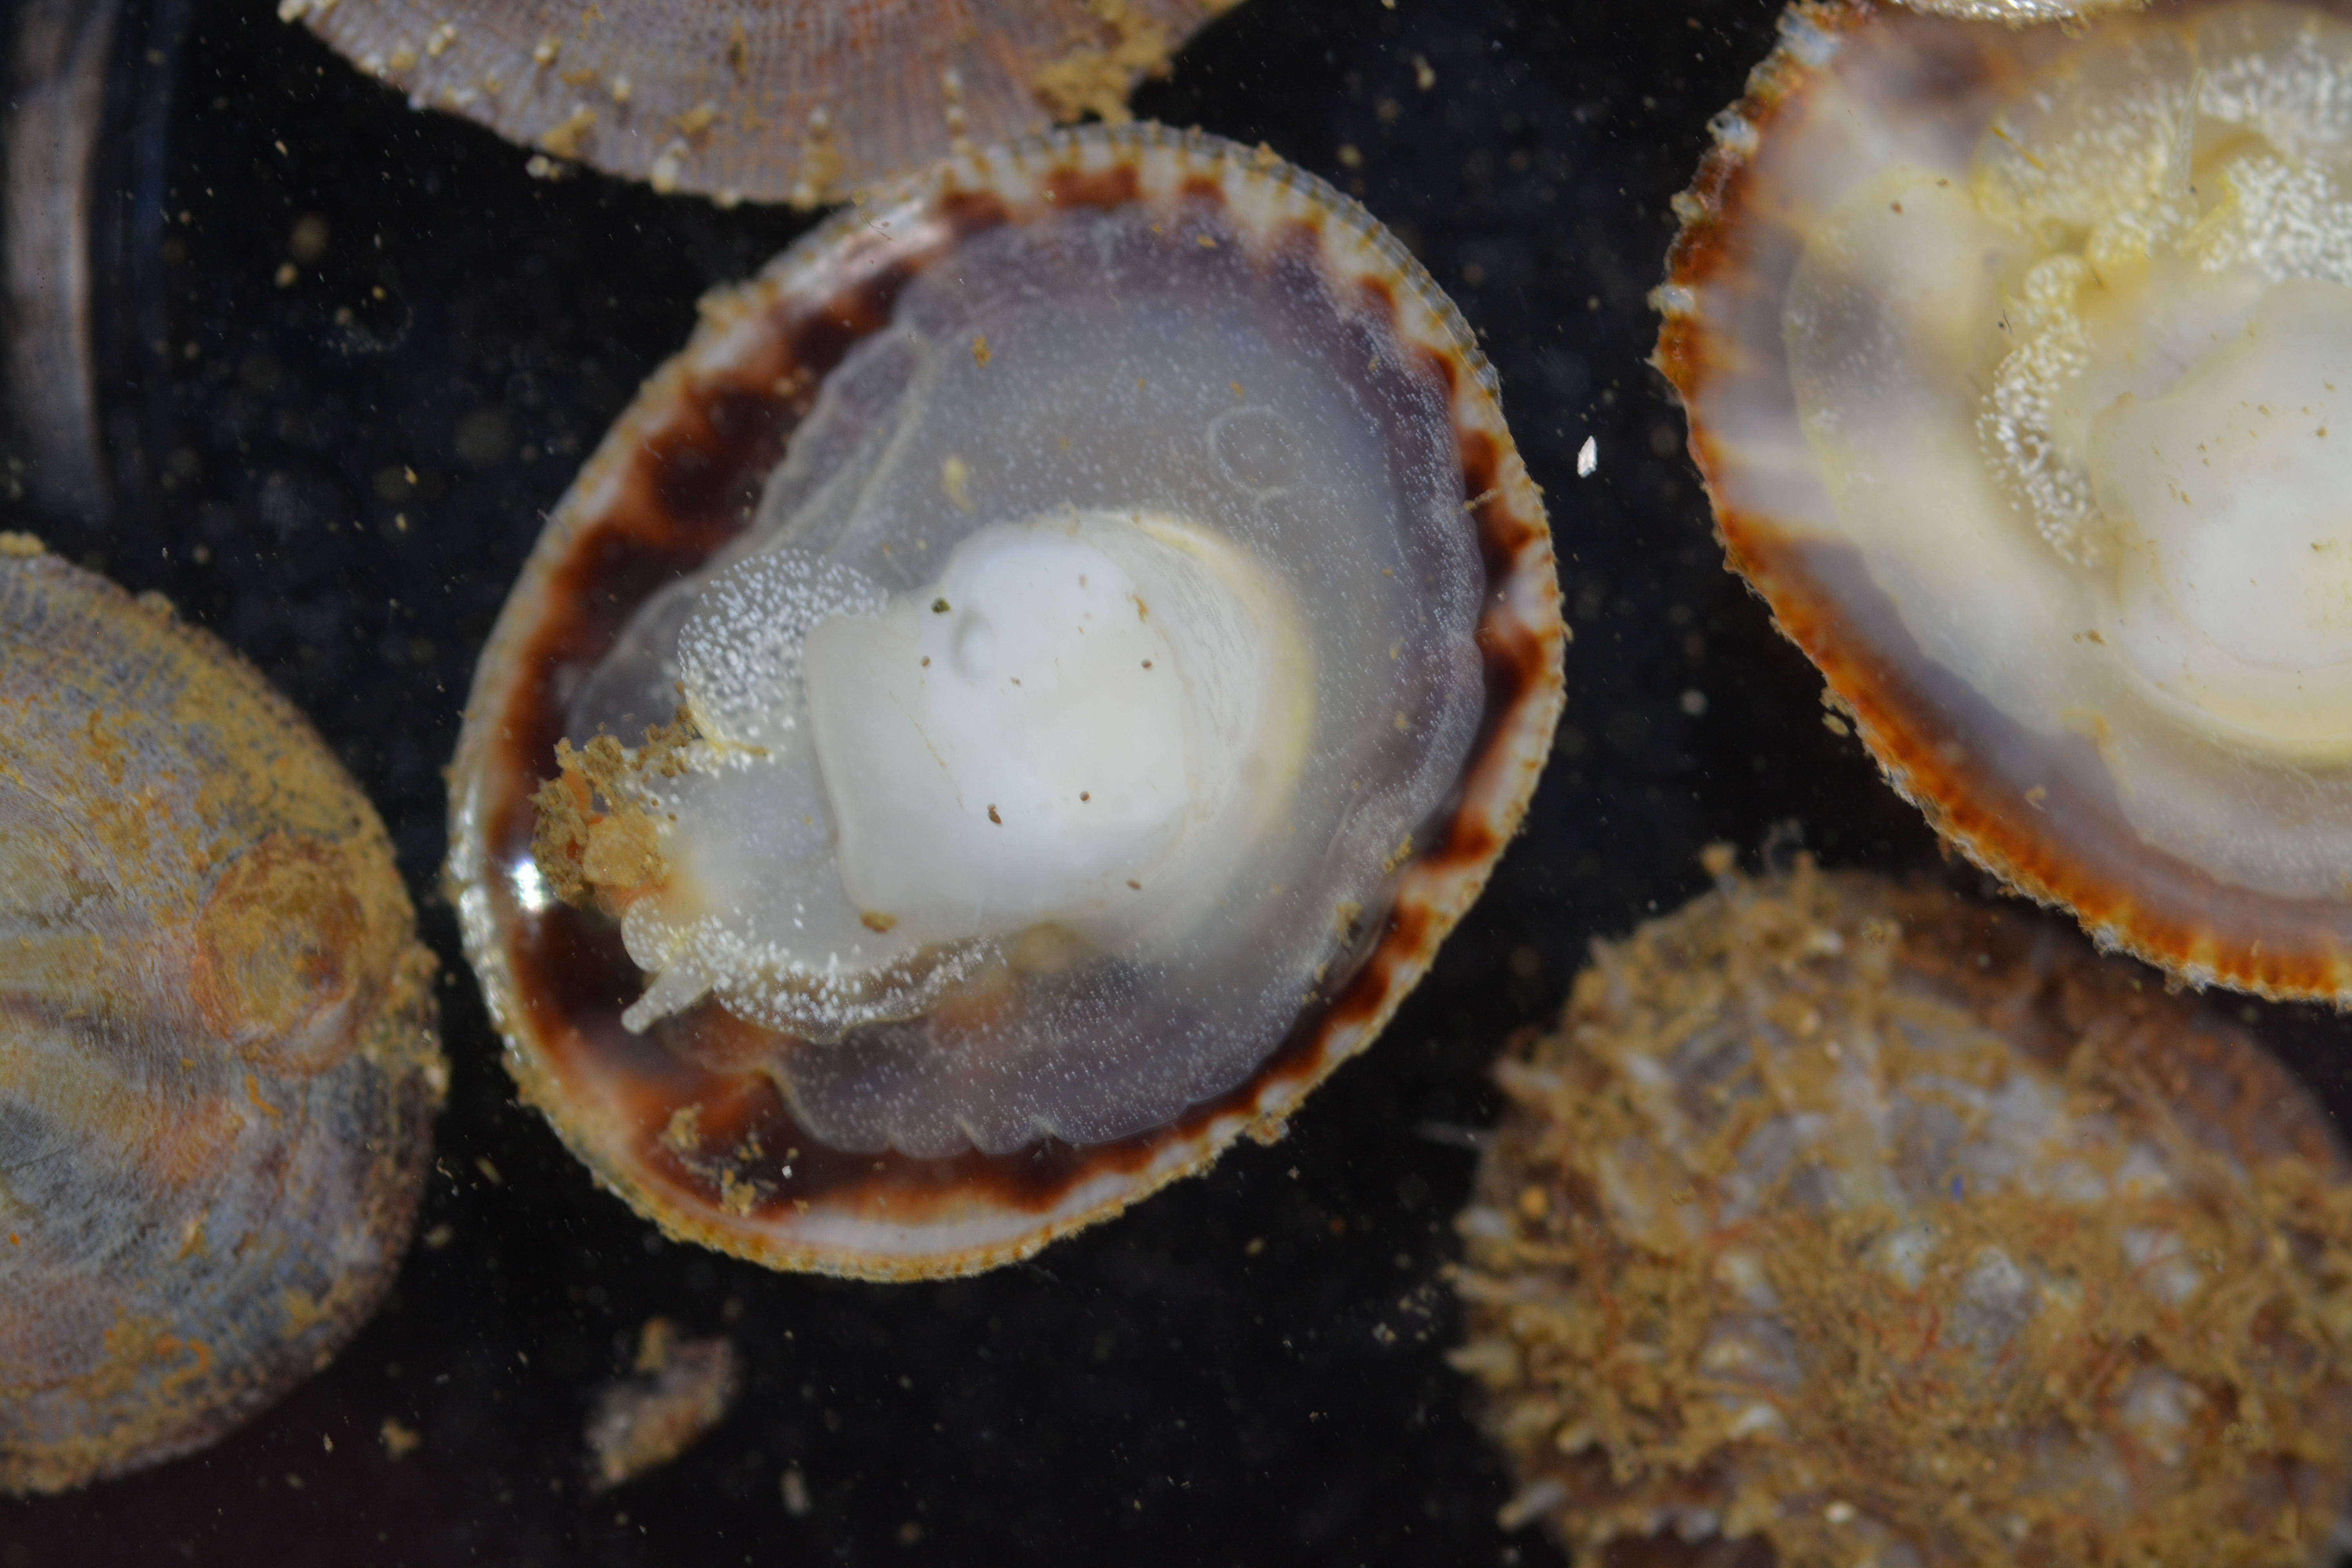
(1919, 741)
(679, 475)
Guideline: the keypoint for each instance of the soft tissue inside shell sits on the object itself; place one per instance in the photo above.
(1090, 723)
(1136, 398)
(2071, 385)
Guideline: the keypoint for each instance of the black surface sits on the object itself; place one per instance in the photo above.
(1246, 1370)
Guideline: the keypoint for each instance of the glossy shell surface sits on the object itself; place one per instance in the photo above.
(798, 100)
(1859, 1223)
(681, 476)
(218, 1064)
(1984, 665)
(2021, 13)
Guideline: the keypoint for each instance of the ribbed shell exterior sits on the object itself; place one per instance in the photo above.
(1942, 745)
(218, 1063)
(679, 476)
(1849, 1222)
(797, 101)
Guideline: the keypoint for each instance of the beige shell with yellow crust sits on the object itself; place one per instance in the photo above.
(711, 1124)
(218, 1062)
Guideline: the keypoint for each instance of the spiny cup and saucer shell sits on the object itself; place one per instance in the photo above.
(218, 1065)
(1841, 1221)
(693, 1121)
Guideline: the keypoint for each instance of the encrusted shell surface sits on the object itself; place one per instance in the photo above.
(695, 1128)
(798, 100)
(1858, 1223)
(2223, 862)
(218, 1063)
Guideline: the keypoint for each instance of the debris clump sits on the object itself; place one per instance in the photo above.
(678, 1390)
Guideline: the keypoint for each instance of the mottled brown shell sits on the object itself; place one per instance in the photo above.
(1943, 746)
(218, 1064)
(798, 100)
(679, 476)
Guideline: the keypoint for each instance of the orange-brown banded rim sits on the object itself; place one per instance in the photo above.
(1939, 744)
(680, 475)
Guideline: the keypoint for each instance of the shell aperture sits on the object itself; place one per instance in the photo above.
(2227, 497)
(2051, 485)
(1198, 660)
(2151, 283)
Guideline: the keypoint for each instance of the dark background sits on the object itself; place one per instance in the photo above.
(1248, 1369)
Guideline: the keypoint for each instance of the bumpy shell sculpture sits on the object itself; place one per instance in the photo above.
(1875, 1226)
(798, 100)
(218, 1066)
(1111, 634)
(2013, 363)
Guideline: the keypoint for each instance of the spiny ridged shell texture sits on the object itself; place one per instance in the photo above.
(798, 100)
(1878, 1227)
(218, 1064)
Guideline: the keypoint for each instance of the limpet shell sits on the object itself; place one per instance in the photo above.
(1946, 297)
(218, 1064)
(693, 1122)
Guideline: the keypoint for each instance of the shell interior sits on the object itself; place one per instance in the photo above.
(1017, 756)
(1103, 687)
(2010, 359)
